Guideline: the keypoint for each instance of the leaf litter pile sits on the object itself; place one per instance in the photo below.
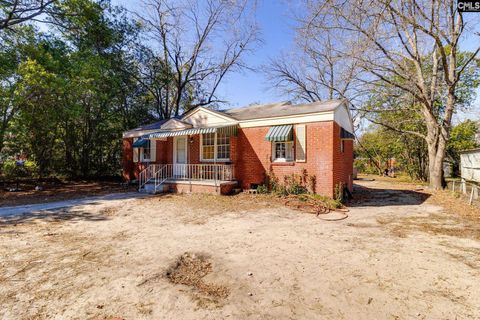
(190, 269)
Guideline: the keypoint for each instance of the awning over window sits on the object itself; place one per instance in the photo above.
(140, 143)
(230, 130)
(344, 134)
(280, 133)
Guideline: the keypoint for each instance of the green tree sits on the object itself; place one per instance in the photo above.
(37, 94)
(462, 138)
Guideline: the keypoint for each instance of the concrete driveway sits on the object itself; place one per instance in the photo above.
(32, 208)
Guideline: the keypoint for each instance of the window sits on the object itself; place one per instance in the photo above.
(147, 151)
(342, 145)
(208, 146)
(215, 149)
(283, 151)
(223, 147)
(135, 152)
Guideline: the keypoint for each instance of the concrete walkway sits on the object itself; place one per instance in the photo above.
(25, 209)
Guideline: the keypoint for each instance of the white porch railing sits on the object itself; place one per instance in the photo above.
(189, 172)
(148, 174)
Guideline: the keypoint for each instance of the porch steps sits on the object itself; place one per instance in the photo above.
(150, 188)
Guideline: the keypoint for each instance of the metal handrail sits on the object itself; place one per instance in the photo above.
(161, 176)
(147, 174)
(159, 173)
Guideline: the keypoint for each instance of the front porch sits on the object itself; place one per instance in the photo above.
(180, 158)
(186, 178)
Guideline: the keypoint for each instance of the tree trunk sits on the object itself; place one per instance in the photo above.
(436, 156)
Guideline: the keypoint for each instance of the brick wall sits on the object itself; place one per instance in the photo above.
(127, 159)
(131, 169)
(343, 161)
(254, 159)
(164, 154)
(224, 188)
(251, 156)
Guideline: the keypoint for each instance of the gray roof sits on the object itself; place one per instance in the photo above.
(259, 111)
(151, 126)
(280, 109)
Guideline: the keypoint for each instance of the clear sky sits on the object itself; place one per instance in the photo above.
(277, 32)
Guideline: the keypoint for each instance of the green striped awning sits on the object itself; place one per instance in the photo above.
(280, 133)
(228, 130)
(140, 143)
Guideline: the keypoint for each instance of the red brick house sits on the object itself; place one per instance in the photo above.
(217, 151)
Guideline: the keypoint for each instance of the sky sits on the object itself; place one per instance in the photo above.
(277, 33)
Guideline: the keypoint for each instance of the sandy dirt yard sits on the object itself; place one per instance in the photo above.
(399, 255)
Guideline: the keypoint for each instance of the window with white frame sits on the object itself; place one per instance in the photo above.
(223, 147)
(282, 151)
(147, 151)
(208, 146)
(215, 148)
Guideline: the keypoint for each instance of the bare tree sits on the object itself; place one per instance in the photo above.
(410, 45)
(13, 12)
(196, 43)
(316, 71)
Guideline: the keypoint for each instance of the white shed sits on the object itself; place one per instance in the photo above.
(470, 165)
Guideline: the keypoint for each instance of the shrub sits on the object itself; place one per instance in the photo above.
(339, 192)
(293, 184)
(271, 182)
(11, 170)
(312, 183)
(262, 189)
(326, 201)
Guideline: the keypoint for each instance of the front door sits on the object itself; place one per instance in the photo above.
(180, 157)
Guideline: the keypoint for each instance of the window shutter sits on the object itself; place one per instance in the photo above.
(153, 150)
(300, 143)
(135, 151)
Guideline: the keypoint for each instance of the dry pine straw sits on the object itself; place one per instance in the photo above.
(465, 216)
(190, 269)
(456, 205)
(219, 203)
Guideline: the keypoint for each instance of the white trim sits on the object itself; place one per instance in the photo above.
(215, 151)
(298, 143)
(188, 115)
(175, 124)
(274, 159)
(136, 134)
(153, 150)
(136, 152)
(214, 148)
(175, 149)
(344, 118)
(332, 115)
(317, 117)
(152, 154)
